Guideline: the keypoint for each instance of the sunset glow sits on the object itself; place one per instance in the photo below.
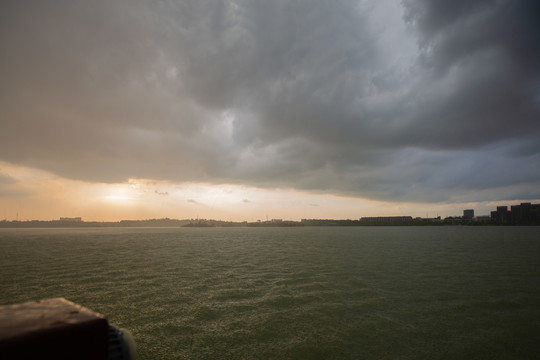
(43, 196)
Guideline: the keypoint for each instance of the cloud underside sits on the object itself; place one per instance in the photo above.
(412, 101)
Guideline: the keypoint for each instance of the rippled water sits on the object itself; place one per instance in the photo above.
(293, 293)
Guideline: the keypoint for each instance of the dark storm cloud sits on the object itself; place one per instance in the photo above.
(482, 58)
(338, 96)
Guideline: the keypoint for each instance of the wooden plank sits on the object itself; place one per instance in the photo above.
(52, 328)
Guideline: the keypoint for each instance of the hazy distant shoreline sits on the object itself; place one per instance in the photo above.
(218, 223)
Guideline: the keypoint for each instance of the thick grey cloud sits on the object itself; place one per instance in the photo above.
(483, 59)
(419, 100)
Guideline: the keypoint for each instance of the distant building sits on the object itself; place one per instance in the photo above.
(72, 219)
(386, 219)
(468, 214)
(435, 219)
(525, 213)
(501, 215)
(519, 212)
(319, 222)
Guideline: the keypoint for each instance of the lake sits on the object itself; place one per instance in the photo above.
(438, 292)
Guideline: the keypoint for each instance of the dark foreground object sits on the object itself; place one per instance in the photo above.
(59, 329)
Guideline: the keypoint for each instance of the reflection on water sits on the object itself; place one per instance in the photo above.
(293, 293)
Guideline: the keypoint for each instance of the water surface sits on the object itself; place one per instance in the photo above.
(293, 293)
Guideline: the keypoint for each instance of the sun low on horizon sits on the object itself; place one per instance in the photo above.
(44, 196)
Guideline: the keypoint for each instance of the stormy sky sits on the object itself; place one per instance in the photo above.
(402, 101)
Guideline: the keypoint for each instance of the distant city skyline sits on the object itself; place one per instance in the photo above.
(518, 214)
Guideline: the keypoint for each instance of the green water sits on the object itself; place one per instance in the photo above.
(293, 293)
